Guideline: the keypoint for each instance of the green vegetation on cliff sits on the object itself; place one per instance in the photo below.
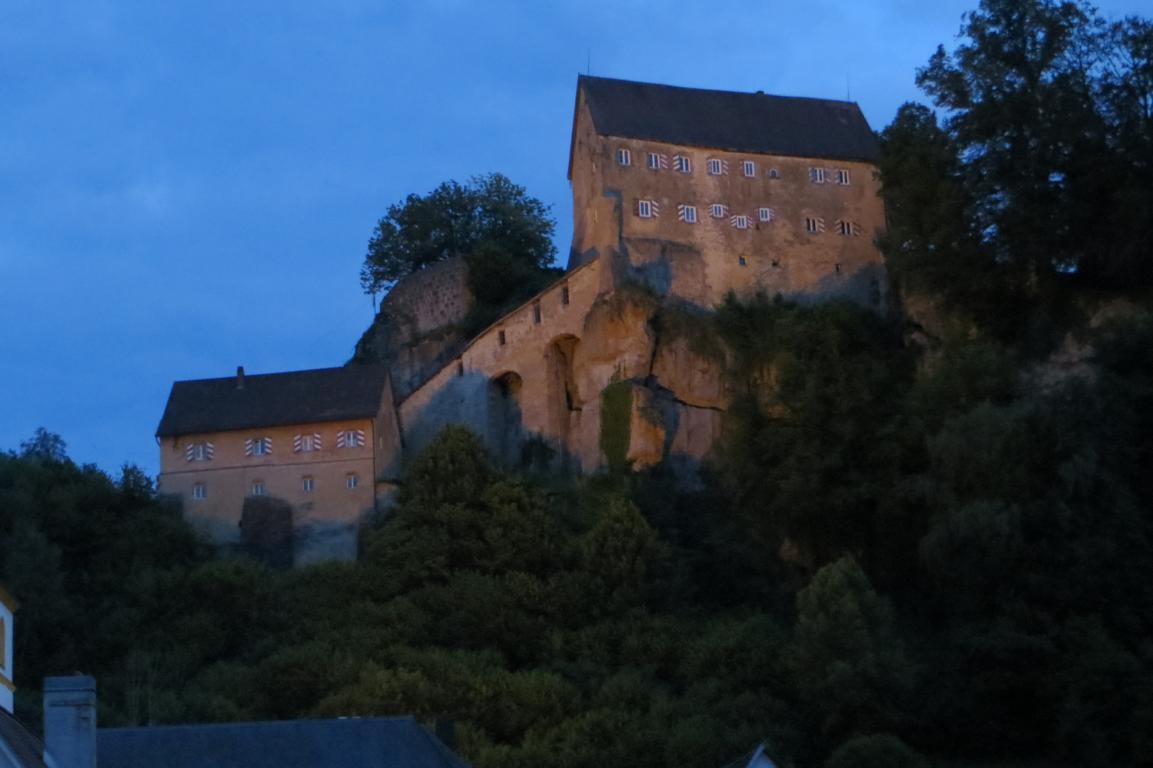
(913, 541)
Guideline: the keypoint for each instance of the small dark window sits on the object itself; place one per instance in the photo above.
(536, 313)
(776, 263)
(742, 261)
(564, 295)
(500, 338)
(837, 268)
(460, 369)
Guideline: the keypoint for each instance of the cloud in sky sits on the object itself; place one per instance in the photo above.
(188, 187)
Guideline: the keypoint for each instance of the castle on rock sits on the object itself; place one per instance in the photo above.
(681, 197)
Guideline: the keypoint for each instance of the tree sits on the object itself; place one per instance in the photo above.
(488, 212)
(881, 751)
(1038, 97)
(44, 445)
(849, 663)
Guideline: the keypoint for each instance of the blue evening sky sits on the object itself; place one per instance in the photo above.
(187, 187)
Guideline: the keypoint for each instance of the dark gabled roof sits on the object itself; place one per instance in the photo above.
(377, 742)
(738, 122)
(16, 741)
(273, 399)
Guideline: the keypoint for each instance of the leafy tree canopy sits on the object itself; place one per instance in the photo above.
(488, 213)
(1049, 110)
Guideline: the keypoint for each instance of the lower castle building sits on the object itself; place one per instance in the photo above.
(681, 197)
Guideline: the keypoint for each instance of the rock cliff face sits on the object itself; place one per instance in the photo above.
(418, 327)
(675, 370)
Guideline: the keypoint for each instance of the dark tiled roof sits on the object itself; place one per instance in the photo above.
(739, 122)
(15, 739)
(273, 399)
(379, 742)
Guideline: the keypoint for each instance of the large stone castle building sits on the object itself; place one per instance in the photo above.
(681, 196)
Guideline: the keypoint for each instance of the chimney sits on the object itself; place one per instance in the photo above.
(70, 721)
(240, 377)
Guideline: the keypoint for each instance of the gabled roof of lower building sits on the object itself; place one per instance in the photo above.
(273, 399)
(17, 744)
(377, 742)
(728, 120)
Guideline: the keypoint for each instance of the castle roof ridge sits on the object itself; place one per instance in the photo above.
(738, 121)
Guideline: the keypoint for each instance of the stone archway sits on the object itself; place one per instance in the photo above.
(505, 426)
(564, 399)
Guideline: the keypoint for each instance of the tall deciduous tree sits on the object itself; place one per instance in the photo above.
(1038, 96)
(486, 213)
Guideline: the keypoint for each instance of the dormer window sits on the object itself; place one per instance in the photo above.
(350, 438)
(718, 210)
(842, 177)
(740, 222)
(624, 157)
(687, 213)
(258, 446)
(657, 161)
(199, 451)
(648, 209)
(748, 169)
(306, 443)
(717, 167)
(817, 175)
(766, 214)
(682, 164)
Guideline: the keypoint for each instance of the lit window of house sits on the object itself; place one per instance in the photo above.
(748, 169)
(648, 209)
(682, 163)
(350, 438)
(717, 167)
(740, 221)
(200, 491)
(766, 214)
(842, 177)
(307, 484)
(687, 213)
(258, 446)
(199, 451)
(817, 175)
(848, 228)
(658, 161)
(351, 481)
(306, 443)
(718, 210)
(814, 225)
(258, 488)
(624, 157)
